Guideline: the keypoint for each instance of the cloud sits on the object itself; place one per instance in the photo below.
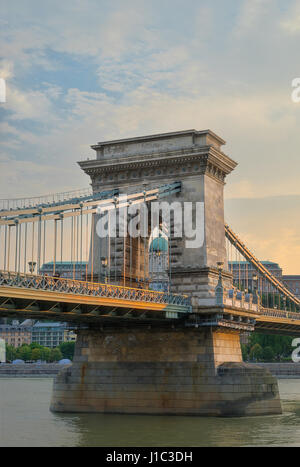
(291, 23)
(270, 228)
(34, 105)
(6, 69)
(251, 15)
(89, 71)
(20, 179)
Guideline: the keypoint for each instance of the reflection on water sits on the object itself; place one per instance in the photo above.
(25, 420)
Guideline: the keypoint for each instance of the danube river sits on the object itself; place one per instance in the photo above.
(25, 420)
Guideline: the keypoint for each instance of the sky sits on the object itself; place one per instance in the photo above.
(82, 71)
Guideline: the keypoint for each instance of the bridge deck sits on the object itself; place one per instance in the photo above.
(67, 299)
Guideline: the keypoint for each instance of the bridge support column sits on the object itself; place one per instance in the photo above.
(163, 371)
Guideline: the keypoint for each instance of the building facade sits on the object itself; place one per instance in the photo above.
(48, 334)
(243, 273)
(15, 334)
(45, 334)
(293, 283)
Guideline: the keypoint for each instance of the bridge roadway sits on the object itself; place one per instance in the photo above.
(40, 297)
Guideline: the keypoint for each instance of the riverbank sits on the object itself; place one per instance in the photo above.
(288, 370)
(30, 370)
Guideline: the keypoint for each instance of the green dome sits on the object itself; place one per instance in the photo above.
(159, 244)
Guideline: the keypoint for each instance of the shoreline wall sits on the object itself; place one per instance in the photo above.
(282, 370)
(30, 370)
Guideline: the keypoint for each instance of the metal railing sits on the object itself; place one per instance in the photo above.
(76, 287)
(271, 278)
(279, 314)
(22, 203)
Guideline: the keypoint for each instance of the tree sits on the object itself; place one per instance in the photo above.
(244, 349)
(45, 354)
(256, 352)
(268, 354)
(24, 352)
(11, 353)
(36, 354)
(281, 345)
(55, 355)
(67, 349)
(35, 345)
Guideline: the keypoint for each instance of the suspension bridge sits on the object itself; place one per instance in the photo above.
(61, 228)
(139, 289)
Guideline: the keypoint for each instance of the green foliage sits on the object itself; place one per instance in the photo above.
(274, 347)
(55, 355)
(256, 352)
(45, 354)
(281, 345)
(35, 345)
(11, 353)
(268, 354)
(24, 352)
(244, 351)
(67, 349)
(36, 354)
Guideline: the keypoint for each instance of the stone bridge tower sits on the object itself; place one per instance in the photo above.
(192, 157)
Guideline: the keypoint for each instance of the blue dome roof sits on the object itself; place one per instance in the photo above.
(159, 244)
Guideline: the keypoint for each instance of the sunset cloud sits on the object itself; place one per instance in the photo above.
(82, 72)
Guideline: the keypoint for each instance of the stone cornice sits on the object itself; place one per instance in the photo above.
(210, 160)
(159, 136)
(199, 271)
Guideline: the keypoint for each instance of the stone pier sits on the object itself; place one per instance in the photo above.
(163, 371)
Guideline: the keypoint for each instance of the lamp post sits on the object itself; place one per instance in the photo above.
(254, 282)
(31, 265)
(284, 302)
(104, 267)
(219, 288)
(220, 265)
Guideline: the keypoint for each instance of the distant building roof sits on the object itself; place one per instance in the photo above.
(64, 263)
(291, 277)
(247, 262)
(27, 322)
(48, 325)
(159, 244)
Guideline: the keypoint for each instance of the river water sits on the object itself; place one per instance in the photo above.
(25, 420)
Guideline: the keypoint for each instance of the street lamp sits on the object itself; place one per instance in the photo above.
(104, 263)
(254, 286)
(284, 301)
(254, 281)
(31, 265)
(220, 265)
